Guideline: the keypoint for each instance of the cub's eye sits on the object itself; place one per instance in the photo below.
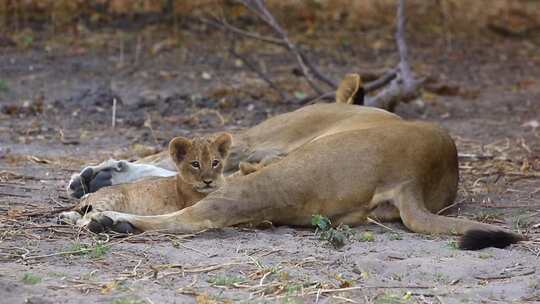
(215, 163)
(195, 164)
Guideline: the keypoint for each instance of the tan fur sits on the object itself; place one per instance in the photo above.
(168, 194)
(343, 161)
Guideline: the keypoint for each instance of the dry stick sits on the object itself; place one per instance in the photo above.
(379, 224)
(450, 206)
(43, 212)
(223, 24)
(113, 124)
(381, 82)
(57, 253)
(321, 291)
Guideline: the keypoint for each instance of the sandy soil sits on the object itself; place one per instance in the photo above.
(491, 107)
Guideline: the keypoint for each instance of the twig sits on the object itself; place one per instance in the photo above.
(223, 24)
(42, 212)
(15, 195)
(505, 276)
(379, 224)
(321, 291)
(196, 250)
(381, 82)
(113, 124)
(56, 254)
(450, 206)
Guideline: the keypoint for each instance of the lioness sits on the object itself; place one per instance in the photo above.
(368, 162)
(199, 163)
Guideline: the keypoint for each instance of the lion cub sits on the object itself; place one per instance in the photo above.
(200, 162)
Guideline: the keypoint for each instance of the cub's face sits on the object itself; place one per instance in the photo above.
(200, 161)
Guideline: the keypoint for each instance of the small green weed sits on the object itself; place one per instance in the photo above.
(453, 244)
(3, 86)
(334, 236)
(30, 279)
(393, 299)
(100, 250)
(128, 301)
(367, 237)
(96, 251)
(222, 280)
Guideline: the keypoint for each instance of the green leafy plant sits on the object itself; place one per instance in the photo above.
(222, 280)
(128, 301)
(337, 237)
(3, 86)
(96, 251)
(453, 244)
(393, 299)
(30, 279)
(367, 237)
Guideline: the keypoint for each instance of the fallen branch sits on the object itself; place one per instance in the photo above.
(401, 83)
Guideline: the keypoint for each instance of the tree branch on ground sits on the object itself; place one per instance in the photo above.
(396, 85)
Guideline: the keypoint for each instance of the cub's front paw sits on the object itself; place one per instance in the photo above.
(110, 221)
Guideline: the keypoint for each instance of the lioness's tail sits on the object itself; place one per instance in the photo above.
(475, 235)
(351, 90)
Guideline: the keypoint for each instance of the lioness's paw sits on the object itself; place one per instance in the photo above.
(110, 221)
(93, 178)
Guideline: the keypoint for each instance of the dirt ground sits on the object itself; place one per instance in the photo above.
(56, 114)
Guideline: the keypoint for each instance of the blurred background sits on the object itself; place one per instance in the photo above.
(171, 69)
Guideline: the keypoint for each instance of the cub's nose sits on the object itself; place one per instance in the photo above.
(207, 182)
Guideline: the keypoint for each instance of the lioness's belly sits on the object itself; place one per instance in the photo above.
(346, 172)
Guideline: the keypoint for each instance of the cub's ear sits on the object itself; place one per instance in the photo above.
(350, 90)
(223, 143)
(178, 148)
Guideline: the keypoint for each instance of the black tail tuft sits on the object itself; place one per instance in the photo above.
(479, 239)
